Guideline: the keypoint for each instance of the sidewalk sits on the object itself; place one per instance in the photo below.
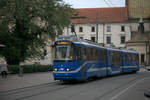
(32, 79)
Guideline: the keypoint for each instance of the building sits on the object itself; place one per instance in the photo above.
(140, 44)
(109, 24)
(138, 9)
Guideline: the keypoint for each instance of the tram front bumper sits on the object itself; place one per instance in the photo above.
(66, 76)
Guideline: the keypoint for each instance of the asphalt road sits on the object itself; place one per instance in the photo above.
(121, 87)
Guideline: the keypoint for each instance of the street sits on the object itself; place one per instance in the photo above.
(120, 87)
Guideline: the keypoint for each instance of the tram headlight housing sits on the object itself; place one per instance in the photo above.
(56, 69)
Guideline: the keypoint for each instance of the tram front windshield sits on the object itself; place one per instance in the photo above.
(63, 52)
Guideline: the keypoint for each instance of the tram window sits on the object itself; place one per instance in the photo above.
(133, 57)
(94, 54)
(101, 55)
(81, 53)
(90, 54)
(71, 56)
(78, 50)
(115, 58)
(137, 58)
(127, 58)
(104, 55)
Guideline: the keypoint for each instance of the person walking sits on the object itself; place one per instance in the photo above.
(3, 70)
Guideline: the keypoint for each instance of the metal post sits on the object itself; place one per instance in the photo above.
(103, 33)
(20, 71)
(97, 27)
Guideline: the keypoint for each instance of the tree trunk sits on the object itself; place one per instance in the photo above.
(149, 49)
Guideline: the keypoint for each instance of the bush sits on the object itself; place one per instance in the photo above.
(14, 69)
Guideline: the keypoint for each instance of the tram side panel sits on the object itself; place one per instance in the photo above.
(96, 62)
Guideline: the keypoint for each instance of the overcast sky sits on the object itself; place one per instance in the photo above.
(95, 3)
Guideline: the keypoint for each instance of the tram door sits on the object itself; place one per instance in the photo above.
(81, 57)
(115, 62)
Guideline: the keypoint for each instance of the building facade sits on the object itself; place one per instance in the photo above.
(109, 24)
(138, 9)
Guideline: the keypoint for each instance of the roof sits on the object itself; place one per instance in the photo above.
(89, 15)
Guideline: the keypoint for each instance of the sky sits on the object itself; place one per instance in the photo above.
(95, 3)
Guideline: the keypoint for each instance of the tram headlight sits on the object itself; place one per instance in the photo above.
(67, 69)
(56, 69)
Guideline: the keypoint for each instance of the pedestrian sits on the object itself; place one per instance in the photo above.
(3, 70)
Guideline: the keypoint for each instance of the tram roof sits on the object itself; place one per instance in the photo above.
(88, 43)
(130, 51)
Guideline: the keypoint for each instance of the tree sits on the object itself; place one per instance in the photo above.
(26, 24)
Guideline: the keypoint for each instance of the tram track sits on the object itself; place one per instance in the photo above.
(109, 92)
(116, 88)
(40, 93)
(58, 87)
(120, 88)
(37, 90)
(13, 91)
(103, 81)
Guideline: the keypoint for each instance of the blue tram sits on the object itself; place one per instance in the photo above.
(77, 59)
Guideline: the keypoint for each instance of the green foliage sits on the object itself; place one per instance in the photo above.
(26, 25)
(14, 69)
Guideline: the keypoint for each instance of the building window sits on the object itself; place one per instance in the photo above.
(93, 39)
(108, 39)
(80, 29)
(108, 28)
(122, 28)
(93, 29)
(123, 39)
